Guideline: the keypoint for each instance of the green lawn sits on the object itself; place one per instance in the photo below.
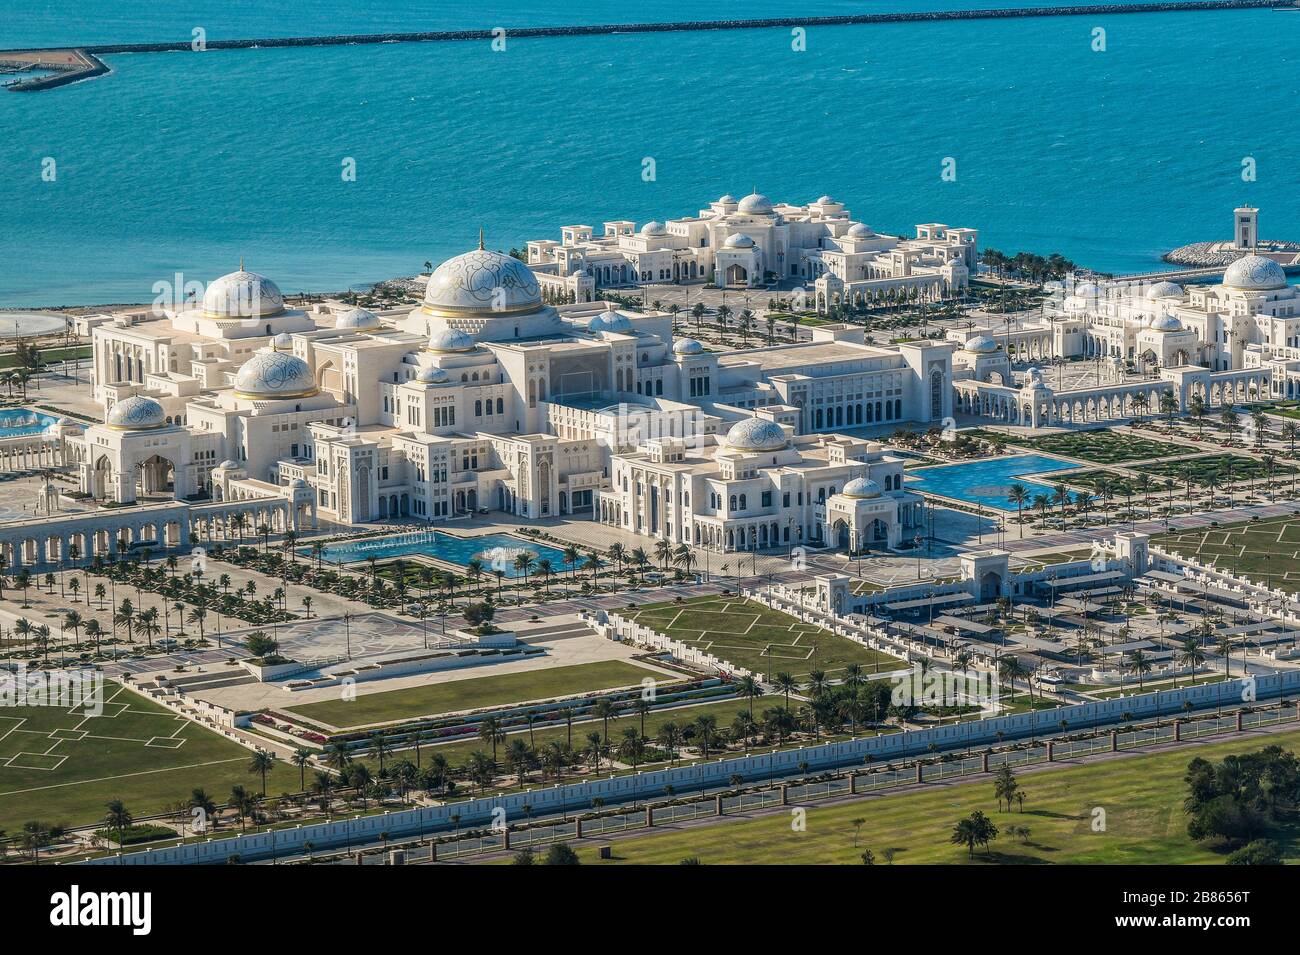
(1267, 550)
(62, 767)
(475, 692)
(1141, 795)
(740, 631)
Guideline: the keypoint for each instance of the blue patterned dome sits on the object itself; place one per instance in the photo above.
(136, 413)
(1165, 323)
(274, 374)
(755, 434)
(981, 345)
(654, 227)
(482, 282)
(431, 376)
(1254, 273)
(688, 346)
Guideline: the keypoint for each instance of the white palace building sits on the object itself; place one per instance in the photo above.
(486, 398)
(483, 398)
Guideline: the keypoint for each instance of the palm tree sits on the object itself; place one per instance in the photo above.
(199, 615)
(787, 685)
(490, 731)
(750, 688)
(571, 555)
(261, 763)
(94, 631)
(1225, 648)
(670, 738)
(663, 553)
(301, 758)
(1191, 652)
(73, 621)
(147, 623)
(603, 710)
(1011, 669)
(379, 748)
(125, 617)
(1018, 495)
(1139, 664)
(118, 817)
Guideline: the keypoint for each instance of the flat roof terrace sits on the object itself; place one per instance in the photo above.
(815, 359)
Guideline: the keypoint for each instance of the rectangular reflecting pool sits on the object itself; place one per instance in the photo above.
(986, 482)
(15, 422)
(496, 551)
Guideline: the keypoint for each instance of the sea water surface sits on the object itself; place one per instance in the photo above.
(186, 162)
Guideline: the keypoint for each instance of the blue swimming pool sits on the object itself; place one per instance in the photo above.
(15, 422)
(986, 482)
(494, 550)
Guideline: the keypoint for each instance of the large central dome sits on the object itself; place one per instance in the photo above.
(242, 295)
(1254, 273)
(274, 374)
(482, 282)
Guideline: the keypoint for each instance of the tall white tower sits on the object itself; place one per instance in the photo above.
(1245, 229)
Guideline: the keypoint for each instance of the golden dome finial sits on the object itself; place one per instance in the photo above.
(480, 238)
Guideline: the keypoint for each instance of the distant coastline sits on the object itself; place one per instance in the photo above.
(1169, 6)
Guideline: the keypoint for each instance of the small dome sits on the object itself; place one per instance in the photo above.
(860, 230)
(755, 204)
(727, 200)
(1165, 323)
(738, 241)
(981, 345)
(242, 295)
(273, 375)
(282, 342)
(482, 282)
(860, 488)
(448, 340)
(228, 465)
(654, 227)
(136, 413)
(824, 200)
(755, 434)
(297, 483)
(431, 376)
(1165, 290)
(1086, 290)
(687, 346)
(357, 318)
(1254, 273)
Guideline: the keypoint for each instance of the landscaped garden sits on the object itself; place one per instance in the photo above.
(63, 767)
(763, 641)
(1101, 446)
(1265, 550)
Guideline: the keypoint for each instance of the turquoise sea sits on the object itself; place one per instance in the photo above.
(185, 162)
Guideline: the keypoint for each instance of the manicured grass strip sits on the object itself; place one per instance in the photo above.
(747, 634)
(1141, 796)
(112, 761)
(476, 692)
